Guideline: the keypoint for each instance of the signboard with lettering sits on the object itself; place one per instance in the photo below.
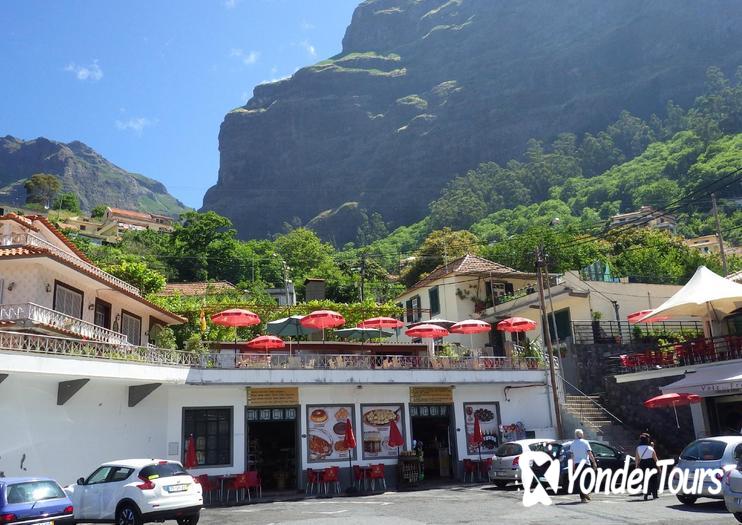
(273, 396)
(441, 395)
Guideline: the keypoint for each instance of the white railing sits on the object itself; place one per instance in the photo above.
(46, 316)
(27, 239)
(52, 345)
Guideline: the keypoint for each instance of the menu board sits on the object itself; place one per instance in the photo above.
(441, 395)
(272, 396)
(489, 425)
(375, 422)
(326, 432)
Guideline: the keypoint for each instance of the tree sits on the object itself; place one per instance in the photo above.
(99, 211)
(439, 247)
(138, 274)
(203, 247)
(41, 188)
(67, 201)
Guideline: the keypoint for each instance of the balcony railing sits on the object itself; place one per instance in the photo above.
(623, 333)
(61, 346)
(34, 313)
(28, 239)
(694, 352)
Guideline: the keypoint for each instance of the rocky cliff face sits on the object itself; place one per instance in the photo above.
(82, 171)
(426, 89)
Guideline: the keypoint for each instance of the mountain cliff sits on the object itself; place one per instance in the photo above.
(425, 89)
(82, 171)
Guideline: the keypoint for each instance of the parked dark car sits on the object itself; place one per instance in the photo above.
(34, 501)
(607, 458)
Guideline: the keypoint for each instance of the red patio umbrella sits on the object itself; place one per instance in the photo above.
(266, 342)
(322, 319)
(471, 327)
(349, 440)
(516, 324)
(191, 461)
(427, 331)
(636, 317)
(382, 322)
(672, 400)
(234, 318)
(395, 436)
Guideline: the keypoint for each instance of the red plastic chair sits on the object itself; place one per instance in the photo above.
(312, 480)
(359, 477)
(484, 468)
(470, 468)
(251, 480)
(331, 476)
(377, 472)
(207, 486)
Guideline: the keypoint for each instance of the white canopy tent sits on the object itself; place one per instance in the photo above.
(706, 295)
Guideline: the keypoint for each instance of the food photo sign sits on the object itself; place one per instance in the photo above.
(489, 424)
(326, 432)
(375, 421)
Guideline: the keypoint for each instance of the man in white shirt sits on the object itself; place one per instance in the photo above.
(582, 457)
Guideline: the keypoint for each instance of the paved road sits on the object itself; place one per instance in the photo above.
(473, 504)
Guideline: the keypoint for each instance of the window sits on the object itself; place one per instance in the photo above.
(99, 476)
(509, 449)
(435, 302)
(398, 305)
(212, 431)
(167, 469)
(120, 473)
(67, 300)
(416, 309)
(602, 451)
(131, 327)
(33, 491)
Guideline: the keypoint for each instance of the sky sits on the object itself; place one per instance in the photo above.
(147, 83)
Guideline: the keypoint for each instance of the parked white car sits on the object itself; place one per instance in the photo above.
(137, 491)
(505, 466)
(708, 453)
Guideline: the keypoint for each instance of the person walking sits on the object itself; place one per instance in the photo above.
(646, 459)
(582, 459)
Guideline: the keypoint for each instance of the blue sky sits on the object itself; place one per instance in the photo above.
(147, 83)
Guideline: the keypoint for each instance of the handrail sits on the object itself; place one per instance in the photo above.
(41, 314)
(583, 394)
(27, 239)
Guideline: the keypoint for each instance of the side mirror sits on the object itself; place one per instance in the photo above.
(81, 481)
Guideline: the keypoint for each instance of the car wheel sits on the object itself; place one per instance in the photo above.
(686, 500)
(501, 484)
(738, 515)
(190, 520)
(128, 514)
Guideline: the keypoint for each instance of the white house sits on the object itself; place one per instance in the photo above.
(47, 285)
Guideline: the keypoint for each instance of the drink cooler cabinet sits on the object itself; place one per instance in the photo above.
(408, 471)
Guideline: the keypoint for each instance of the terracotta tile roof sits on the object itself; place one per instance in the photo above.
(197, 288)
(23, 221)
(62, 237)
(131, 214)
(20, 251)
(468, 264)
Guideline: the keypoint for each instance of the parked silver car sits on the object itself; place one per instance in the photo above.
(708, 453)
(732, 486)
(505, 466)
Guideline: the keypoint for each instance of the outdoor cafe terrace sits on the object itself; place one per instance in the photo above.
(351, 356)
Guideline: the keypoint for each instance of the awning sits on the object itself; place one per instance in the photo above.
(709, 381)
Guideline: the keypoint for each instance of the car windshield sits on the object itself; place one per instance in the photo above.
(509, 449)
(31, 491)
(165, 469)
(704, 450)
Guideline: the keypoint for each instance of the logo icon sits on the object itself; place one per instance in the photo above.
(535, 493)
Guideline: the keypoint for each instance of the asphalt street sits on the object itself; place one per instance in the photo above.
(470, 504)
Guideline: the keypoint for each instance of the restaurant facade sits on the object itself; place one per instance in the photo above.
(73, 412)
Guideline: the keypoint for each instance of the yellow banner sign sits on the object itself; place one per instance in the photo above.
(273, 396)
(433, 395)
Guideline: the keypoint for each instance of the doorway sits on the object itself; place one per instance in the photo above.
(432, 425)
(272, 438)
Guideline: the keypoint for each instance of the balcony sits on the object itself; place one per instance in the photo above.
(28, 239)
(30, 314)
(623, 333)
(676, 355)
(90, 349)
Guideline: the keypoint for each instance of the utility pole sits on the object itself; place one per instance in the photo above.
(363, 273)
(718, 234)
(547, 336)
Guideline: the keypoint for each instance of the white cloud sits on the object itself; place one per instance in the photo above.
(248, 58)
(307, 26)
(231, 4)
(135, 124)
(91, 72)
(309, 48)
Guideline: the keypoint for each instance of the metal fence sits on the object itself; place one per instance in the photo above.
(621, 332)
